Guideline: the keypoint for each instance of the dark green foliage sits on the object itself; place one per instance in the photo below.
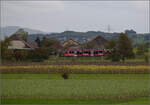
(141, 49)
(147, 57)
(38, 54)
(48, 42)
(6, 54)
(65, 75)
(38, 41)
(52, 45)
(21, 55)
(125, 47)
(121, 49)
(111, 44)
(114, 54)
(18, 55)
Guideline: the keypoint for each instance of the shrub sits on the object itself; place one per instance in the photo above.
(114, 56)
(38, 54)
(20, 55)
(147, 57)
(65, 75)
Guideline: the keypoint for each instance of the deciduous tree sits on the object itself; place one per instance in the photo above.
(125, 47)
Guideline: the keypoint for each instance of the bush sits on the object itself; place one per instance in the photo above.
(20, 55)
(39, 54)
(114, 56)
(147, 57)
(65, 75)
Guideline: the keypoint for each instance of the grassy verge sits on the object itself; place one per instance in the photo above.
(89, 59)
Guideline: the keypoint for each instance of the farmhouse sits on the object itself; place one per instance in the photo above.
(18, 43)
(96, 43)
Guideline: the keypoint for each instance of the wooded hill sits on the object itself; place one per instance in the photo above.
(83, 37)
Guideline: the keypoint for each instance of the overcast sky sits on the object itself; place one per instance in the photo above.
(58, 16)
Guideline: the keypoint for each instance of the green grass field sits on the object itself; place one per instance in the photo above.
(78, 89)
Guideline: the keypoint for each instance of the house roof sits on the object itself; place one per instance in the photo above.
(33, 44)
(15, 37)
(70, 42)
(97, 42)
(30, 45)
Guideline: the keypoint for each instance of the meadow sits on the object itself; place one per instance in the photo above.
(78, 89)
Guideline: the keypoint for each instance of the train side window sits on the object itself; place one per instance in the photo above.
(85, 52)
(100, 52)
(95, 52)
(78, 52)
(72, 52)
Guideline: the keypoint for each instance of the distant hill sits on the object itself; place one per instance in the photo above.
(80, 37)
(9, 30)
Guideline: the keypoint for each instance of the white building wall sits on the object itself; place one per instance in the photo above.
(16, 45)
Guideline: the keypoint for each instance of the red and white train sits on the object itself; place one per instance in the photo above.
(85, 52)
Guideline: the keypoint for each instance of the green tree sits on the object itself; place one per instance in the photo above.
(6, 54)
(39, 54)
(46, 42)
(49, 42)
(38, 41)
(53, 45)
(21, 55)
(147, 57)
(111, 44)
(125, 47)
(113, 55)
(141, 49)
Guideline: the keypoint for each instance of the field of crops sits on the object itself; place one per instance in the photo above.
(103, 69)
(78, 89)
